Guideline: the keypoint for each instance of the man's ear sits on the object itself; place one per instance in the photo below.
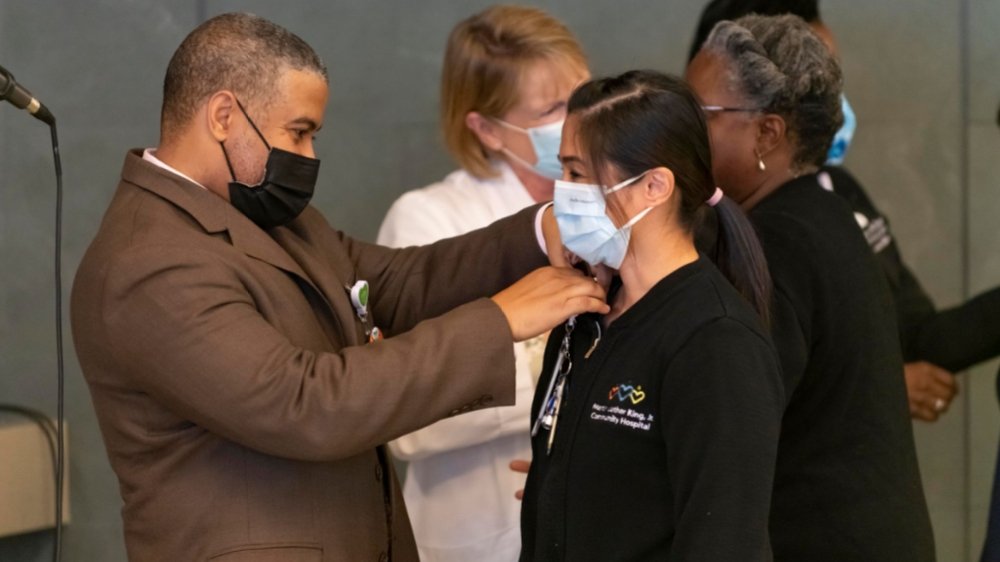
(660, 185)
(485, 130)
(770, 133)
(220, 113)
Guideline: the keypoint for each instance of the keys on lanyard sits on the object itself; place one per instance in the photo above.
(548, 417)
(359, 299)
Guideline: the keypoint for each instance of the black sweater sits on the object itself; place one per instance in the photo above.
(956, 338)
(847, 485)
(666, 441)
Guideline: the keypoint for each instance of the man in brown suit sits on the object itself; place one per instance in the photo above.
(242, 405)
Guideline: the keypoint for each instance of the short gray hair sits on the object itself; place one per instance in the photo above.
(240, 52)
(780, 66)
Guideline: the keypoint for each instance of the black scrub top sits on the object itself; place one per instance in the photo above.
(955, 338)
(847, 485)
(666, 440)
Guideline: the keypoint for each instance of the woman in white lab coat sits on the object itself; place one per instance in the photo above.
(508, 73)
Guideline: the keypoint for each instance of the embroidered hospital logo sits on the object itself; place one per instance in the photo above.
(625, 392)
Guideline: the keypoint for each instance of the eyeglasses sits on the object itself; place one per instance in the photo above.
(724, 109)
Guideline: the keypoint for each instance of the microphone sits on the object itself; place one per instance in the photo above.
(11, 91)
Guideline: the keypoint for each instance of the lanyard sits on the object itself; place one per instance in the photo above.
(549, 416)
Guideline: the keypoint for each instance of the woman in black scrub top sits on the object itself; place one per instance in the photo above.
(655, 427)
(936, 343)
(846, 486)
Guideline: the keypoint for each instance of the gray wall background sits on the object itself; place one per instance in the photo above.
(922, 76)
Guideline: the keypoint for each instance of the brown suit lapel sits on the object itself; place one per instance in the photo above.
(212, 212)
(284, 251)
(332, 274)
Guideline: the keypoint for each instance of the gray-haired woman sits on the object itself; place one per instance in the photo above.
(847, 485)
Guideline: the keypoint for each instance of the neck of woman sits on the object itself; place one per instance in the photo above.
(655, 251)
(540, 188)
(770, 182)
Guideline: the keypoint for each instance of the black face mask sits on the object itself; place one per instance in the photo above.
(288, 185)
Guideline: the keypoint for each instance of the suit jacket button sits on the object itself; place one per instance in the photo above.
(378, 473)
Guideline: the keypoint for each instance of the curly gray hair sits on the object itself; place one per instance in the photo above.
(780, 66)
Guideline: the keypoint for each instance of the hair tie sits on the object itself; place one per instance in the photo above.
(715, 198)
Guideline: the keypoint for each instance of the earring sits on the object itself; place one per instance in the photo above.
(760, 163)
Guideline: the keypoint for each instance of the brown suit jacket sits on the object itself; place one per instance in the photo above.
(241, 410)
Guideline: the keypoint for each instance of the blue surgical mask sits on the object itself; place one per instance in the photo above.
(545, 140)
(584, 225)
(842, 140)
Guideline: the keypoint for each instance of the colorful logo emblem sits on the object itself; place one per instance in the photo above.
(625, 392)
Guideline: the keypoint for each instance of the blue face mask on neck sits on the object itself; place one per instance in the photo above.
(842, 140)
(545, 140)
(584, 225)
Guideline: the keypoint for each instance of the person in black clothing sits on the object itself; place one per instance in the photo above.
(847, 485)
(954, 339)
(991, 545)
(655, 427)
(935, 343)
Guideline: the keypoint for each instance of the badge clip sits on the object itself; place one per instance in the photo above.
(359, 298)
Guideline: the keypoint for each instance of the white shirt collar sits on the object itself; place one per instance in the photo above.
(148, 156)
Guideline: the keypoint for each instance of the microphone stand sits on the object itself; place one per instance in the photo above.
(60, 376)
(12, 92)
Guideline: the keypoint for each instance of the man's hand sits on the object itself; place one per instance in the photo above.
(520, 466)
(603, 274)
(558, 255)
(546, 297)
(929, 389)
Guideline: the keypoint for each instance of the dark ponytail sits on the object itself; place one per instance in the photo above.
(644, 119)
(740, 258)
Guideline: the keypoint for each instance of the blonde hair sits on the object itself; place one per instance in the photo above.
(486, 58)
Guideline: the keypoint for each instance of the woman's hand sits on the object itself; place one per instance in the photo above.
(520, 466)
(930, 390)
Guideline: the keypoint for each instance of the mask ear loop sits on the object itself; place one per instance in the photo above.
(509, 125)
(519, 160)
(252, 124)
(232, 173)
(529, 167)
(635, 219)
(623, 184)
(506, 150)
